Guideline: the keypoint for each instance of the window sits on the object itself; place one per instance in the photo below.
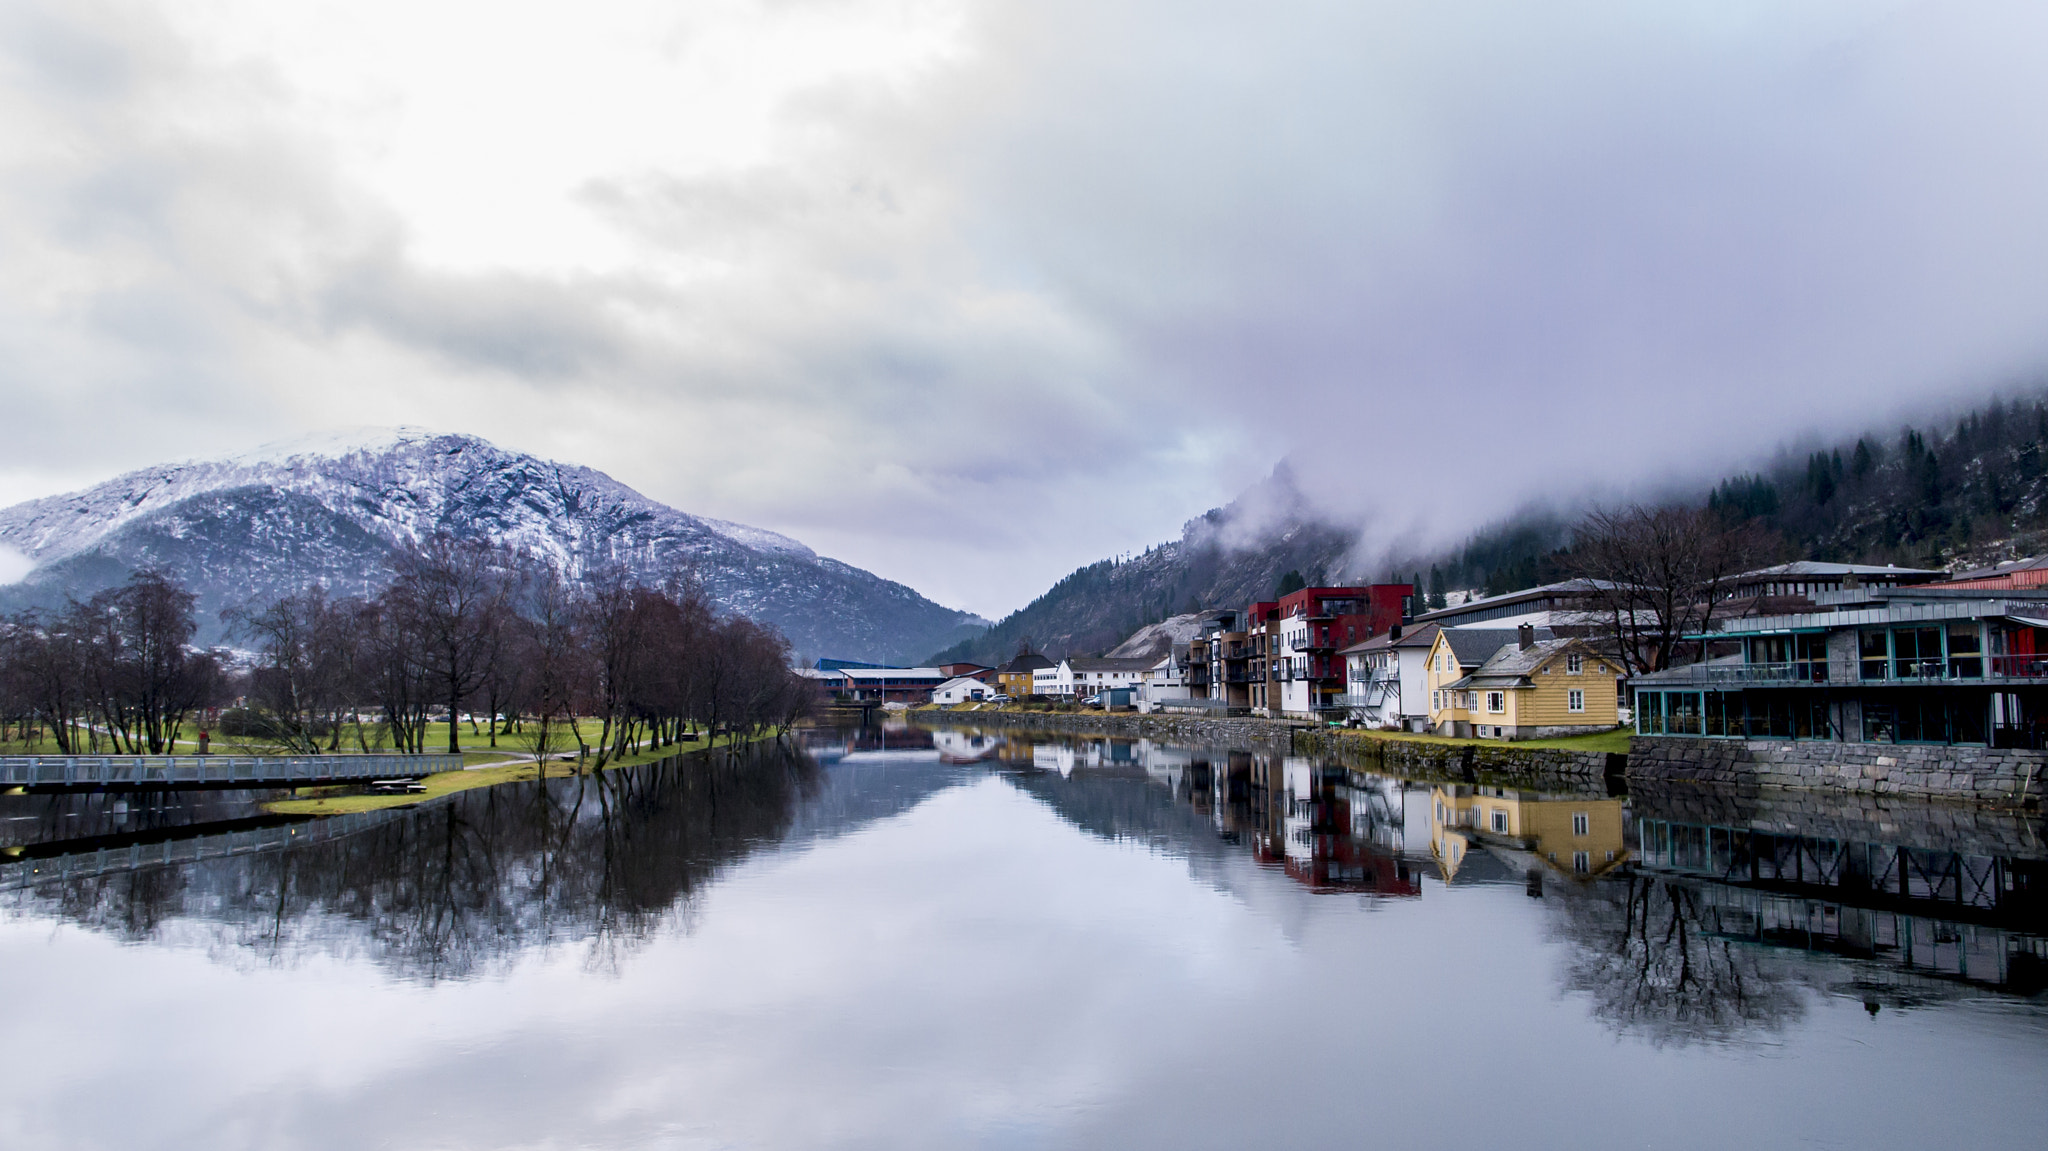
(1500, 820)
(1581, 823)
(1874, 652)
(1574, 664)
(1582, 862)
(1575, 700)
(1436, 700)
(1496, 701)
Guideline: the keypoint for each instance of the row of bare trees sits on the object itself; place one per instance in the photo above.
(464, 625)
(464, 629)
(116, 672)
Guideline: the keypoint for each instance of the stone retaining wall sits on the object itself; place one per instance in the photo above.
(1505, 764)
(1982, 775)
(1863, 818)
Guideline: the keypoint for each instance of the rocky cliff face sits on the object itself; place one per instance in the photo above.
(331, 511)
(1228, 557)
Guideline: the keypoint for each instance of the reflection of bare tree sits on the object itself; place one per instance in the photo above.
(1650, 955)
(462, 886)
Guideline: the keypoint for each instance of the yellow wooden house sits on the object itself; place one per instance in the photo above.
(1495, 683)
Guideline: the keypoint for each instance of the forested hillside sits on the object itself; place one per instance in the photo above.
(1953, 495)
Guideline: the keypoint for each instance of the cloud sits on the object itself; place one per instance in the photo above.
(970, 295)
(14, 566)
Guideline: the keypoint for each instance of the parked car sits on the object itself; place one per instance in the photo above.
(998, 698)
(1093, 701)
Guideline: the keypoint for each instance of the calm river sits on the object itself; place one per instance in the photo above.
(977, 940)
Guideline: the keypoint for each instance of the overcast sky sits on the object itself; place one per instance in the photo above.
(972, 293)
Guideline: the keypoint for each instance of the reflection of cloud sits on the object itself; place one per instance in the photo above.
(814, 266)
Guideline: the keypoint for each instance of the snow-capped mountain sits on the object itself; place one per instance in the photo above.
(330, 510)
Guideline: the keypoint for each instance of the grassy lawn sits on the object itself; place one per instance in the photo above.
(335, 801)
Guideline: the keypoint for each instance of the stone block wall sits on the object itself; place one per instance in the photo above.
(1982, 775)
(1507, 764)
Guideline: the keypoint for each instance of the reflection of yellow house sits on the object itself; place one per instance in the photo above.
(1578, 835)
(1501, 684)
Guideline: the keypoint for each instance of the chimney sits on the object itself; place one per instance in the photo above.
(1394, 633)
(1525, 635)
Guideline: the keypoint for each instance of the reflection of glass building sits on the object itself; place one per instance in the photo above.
(1575, 834)
(1971, 907)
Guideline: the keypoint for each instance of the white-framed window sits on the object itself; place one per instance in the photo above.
(1575, 700)
(1496, 701)
(1500, 820)
(1574, 664)
(1581, 823)
(1610, 857)
(1436, 700)
(1582, 862)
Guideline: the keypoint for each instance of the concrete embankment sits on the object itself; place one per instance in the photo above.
(1504, 764)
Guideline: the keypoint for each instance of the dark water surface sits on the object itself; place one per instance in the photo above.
(981, 941)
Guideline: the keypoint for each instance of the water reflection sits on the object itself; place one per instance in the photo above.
(968, 939)
(460, 887)
(1691, 915)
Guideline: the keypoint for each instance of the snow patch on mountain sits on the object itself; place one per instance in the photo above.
(330, 508)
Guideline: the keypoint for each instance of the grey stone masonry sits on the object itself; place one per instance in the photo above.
(1546, 769)
(1990, 776)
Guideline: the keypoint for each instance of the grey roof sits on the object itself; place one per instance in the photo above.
(1565, 588)
(1473, 646)
(2006, 568)
(1025, 664)
(1079, 663)
(1422, 636)
(1512, 665)
(1920, 607)
(1816, 568)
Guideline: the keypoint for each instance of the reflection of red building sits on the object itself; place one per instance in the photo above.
(1333, 832)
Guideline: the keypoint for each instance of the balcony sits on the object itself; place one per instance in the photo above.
(1797, 671)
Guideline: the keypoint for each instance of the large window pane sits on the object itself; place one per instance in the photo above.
(1876, 654)
(1965, 652)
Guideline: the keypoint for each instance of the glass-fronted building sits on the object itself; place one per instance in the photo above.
(1894, 665)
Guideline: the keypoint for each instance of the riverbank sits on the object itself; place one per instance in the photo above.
(1578, 764)
(446, 783)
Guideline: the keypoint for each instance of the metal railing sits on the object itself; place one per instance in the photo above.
(213, 770)
(1798, 671)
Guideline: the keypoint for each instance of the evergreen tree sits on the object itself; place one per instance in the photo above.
(1436, 588)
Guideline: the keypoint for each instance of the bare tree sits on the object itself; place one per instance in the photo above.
(1658, 574)
(446, 592)
(545, 642)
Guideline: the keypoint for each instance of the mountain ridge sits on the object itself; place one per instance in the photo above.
(330, 509)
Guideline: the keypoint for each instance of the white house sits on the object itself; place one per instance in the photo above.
(962, 689)
(1078, 677)
(1165, 680)
(1388, 678)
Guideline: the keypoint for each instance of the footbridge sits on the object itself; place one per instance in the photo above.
(70, 772)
